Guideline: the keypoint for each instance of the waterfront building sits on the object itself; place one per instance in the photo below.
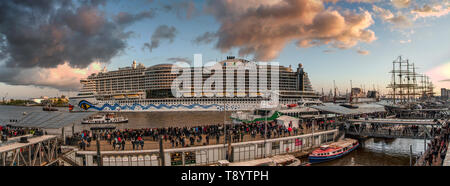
(445, 93)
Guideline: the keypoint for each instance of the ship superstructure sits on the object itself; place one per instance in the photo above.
(140, 88)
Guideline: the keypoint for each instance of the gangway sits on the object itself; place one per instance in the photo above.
(38, 151)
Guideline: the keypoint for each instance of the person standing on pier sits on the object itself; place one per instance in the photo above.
(142, 143)
(115, 143)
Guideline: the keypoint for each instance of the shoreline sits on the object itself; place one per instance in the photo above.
(33, 106)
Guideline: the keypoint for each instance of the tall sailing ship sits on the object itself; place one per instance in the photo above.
(140, 89)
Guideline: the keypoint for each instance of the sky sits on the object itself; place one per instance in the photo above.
(47, 46)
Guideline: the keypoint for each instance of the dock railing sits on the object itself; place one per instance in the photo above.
(210, 154)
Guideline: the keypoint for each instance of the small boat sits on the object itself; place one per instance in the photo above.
(333, 151)
(105, 119)
(49, 108)
(278, 160)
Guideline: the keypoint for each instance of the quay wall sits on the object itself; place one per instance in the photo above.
(211, 154)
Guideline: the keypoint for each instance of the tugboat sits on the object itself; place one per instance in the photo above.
(333, 151)
(105, 119)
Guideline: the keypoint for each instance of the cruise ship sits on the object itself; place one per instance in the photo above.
(142, 89)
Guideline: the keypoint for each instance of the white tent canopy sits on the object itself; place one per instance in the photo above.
(286, 120)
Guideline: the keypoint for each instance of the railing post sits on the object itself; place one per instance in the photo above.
(161, 151)
(410, 155)
(99, 158)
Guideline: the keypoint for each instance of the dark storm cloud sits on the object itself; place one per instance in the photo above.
(47, 40)
(48, 33)
(163, 32)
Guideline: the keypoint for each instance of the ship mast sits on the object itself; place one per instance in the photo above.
(334, 86)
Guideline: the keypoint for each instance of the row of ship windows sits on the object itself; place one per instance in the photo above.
(190, 101)
(175, 75)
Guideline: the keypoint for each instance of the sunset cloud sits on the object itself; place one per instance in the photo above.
(431, 11)
(439, 75)
(384, 14)
(401, 3)
(264, 28)
(363, 52)
(62, 77)
(397, 21)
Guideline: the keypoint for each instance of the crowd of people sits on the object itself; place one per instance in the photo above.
(437, 148)
(11, 131)
(115, 138)
(196, 135)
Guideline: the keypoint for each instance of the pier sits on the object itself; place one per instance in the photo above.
(38, 151)
(393, 128)
(209, 154)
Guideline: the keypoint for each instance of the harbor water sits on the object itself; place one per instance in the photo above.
(373, 151)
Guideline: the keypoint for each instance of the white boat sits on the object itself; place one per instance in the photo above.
(278, 160)
(105, 119)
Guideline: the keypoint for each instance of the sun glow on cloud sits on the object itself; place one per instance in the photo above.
(440, 75)
(62, 77)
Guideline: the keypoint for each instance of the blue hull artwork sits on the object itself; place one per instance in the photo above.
(316, 159)
(85, 105)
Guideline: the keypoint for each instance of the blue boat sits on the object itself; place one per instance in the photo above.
(333, 151)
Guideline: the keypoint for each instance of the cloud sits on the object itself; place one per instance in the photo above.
(440, 75)
(50, 33)
(431, 11)
(184, 7)
(62, 77)
(163, 32)
(179, 59)
(205, 38)
(401, 3)
(351, 1)
(384, 14)
(330, 1)
(405, 41)
(125, 18)
(400, 21)
(363, 1)
(263, 28)
(363, 52)
(38, 36)
(397, 21)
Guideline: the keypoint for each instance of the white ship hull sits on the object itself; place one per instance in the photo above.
(91, 104)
